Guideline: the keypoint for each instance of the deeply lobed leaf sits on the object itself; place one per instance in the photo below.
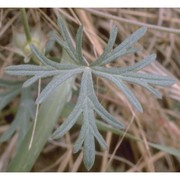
(87, 102)
(123, 48)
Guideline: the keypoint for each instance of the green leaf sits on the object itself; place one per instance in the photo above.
(124, 48)
(11, 90)
(97, 135)
(141, 64)
(67, 38)
(151, 78)
(10, 131)
(49, 113)
(111, 57)
(79, 36)
(121, 70)
(42, 58)
(25, 113)
(89, 143)
(27, 70)
(133, 38)
(169, 150)
(79, 142)
(50, 43)
(39, 76)
(143, 84)
(50, 63)
(89, 150)
(107, 128)
(56, 82)
(68, 123)
(97, 106)
(9, 83)
(128, 93)
(6, 97)
(65, 32)
(87, 103)
(64, 44)
(111, 41)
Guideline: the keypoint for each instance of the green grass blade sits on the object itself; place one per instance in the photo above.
(169, 150)
(49, 112)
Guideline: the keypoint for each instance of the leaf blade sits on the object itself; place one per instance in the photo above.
(111, 41)
(55, 83)
(95, 131)
(79, 37)
(128, 93)
(68, 124)
(97, 106)
(67, 37)
(125, 47)
(112, 57)
(26, 70)
(123, 70)
(79, 142)
(32, 80)
(143, 84)
(6, 97)
(89, 150)
(151, 78)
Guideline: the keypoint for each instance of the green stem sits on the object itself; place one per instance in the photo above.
(26, 25)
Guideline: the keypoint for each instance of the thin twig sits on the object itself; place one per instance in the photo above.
(117, 146)
(151, 26)
(8, 24)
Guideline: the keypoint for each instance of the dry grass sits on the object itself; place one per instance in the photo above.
(160, 122)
